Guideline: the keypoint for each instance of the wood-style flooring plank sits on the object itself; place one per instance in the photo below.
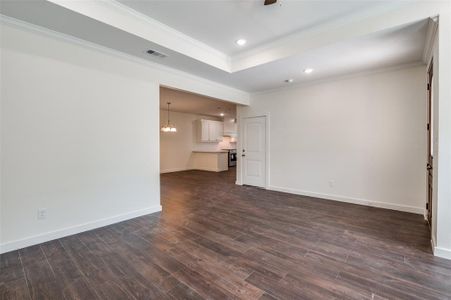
(41, 280)
(217, 240)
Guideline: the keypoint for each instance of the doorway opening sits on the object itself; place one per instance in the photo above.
(198, 134)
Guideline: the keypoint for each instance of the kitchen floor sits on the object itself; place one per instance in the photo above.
(217, 240)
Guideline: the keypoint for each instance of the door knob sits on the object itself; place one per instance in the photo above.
(243, 155)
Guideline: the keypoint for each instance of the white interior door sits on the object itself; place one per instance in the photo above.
(254, 151)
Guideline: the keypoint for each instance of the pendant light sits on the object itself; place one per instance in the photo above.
(168, 127)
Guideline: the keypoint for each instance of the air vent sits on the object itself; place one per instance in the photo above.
(156, 53)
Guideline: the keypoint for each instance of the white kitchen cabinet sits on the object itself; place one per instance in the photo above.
(218, 130)
(210, 131)
(203, 131)
(230, 128)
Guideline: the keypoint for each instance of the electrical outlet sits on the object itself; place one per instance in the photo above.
(331, 183)
(42, 213)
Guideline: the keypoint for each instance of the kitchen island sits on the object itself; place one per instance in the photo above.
(215, 161)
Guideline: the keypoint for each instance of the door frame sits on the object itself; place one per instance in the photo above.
(430, 141)
(240, 168)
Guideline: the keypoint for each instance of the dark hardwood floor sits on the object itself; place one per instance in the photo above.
(216, 240)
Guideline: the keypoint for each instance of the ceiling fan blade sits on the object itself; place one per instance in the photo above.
(269, 2)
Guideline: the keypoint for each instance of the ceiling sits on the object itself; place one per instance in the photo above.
(186, 102)
(198, 37)
(399, 46)
(220, 23)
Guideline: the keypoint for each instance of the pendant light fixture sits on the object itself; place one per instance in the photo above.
(168, 127)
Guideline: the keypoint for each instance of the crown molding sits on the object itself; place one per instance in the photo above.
(235, 95)
(340, 77)
(117, 15)
(388, 17)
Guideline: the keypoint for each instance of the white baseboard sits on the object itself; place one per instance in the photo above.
(439, 251)
(400, 207)
(442, 252)
(174, 170)
(59, 233)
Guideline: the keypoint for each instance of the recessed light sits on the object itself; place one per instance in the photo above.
(308, 71)
(290, 80)
(241, 42)
(221, 114)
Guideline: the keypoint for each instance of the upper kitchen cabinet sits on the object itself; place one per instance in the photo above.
(230, 128)
(209, 131)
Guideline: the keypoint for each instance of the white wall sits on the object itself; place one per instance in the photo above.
(360, 139)
(79, 135)
(176, 148)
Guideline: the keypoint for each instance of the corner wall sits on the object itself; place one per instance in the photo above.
(360, 139)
